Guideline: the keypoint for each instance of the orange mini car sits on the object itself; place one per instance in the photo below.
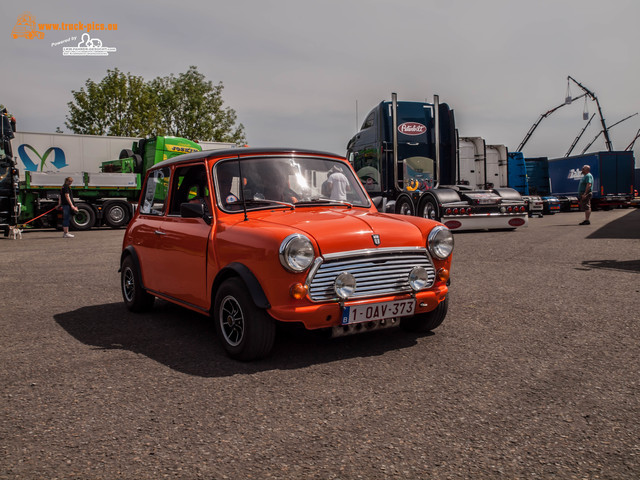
(252, 237)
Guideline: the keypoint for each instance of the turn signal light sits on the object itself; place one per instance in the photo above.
(298, 291)
(442, 275)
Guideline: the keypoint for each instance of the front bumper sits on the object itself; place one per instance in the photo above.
(324, 315)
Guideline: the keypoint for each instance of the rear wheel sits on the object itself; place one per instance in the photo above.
(425, 322)
(84, 218)
(429, 209)
(136, 298)
(117, 214)
(404, 206)
(245, 331)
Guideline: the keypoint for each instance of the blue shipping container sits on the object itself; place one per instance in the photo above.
(517, 173)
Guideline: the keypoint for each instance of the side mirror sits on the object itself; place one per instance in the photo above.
(191, 210)
(194, 210)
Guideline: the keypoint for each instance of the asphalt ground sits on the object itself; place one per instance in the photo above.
(533, 374)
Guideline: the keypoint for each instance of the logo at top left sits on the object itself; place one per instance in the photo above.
(26, 27)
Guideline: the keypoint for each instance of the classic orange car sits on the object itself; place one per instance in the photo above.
(252, 237)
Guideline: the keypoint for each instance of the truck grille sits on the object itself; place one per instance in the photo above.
(376, 272)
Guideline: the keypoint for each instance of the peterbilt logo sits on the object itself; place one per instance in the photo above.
(376, 239)
(412, 128)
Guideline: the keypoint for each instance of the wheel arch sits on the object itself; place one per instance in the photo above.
(508, 193)
(243, 272)
(129, 251)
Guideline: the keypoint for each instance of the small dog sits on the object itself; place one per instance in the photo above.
(16, 232)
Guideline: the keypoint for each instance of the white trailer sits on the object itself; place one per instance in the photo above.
(471, 160)
(497, 158)
(54, 152)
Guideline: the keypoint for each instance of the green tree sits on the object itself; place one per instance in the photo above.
(120, 104)
(186, 105)
(192, 107)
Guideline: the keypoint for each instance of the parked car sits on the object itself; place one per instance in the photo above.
(251, 237)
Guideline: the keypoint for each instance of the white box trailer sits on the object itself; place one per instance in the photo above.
(53, 152)
(497, 158)
(471, 160)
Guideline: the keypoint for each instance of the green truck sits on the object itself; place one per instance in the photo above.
(105, 198)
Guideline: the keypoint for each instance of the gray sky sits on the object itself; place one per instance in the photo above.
(293, 69)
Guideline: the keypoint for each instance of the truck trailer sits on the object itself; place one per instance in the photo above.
(406, 157)
(104, 190)
(613, 177)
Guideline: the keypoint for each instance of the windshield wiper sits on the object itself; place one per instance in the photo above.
(255, 201)
(324, 201)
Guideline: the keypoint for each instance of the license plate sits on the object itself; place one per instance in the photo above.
(377, 311)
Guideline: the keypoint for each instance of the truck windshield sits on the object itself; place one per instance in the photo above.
(272, 182)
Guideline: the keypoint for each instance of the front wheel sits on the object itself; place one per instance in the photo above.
(245, 331)
(425, 322)
(136, 298)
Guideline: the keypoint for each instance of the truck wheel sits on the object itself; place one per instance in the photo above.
(429, 209)
(136, 298)
(126, 153)
(84, 219)
(137, 159)
(404, 206)
(425, 322)
(245, 331)
(117, 214)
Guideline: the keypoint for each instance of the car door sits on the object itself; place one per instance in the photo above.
(147, 227)
(183, 242)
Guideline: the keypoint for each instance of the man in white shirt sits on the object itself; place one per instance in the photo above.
(338, 183)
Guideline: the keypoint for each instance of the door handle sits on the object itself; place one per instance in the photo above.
(159, 232)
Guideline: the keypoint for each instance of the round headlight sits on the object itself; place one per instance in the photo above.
(418, 278)
(345, 285)
(296, 253)
(440, 242)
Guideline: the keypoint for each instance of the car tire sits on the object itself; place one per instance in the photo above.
(425, 322)
(117, 214)
(84, 218)
(246, 331)
(136, 298)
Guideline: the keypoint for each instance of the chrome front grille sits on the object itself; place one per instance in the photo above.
(377, 272)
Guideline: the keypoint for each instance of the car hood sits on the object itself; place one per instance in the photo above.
(339, 230)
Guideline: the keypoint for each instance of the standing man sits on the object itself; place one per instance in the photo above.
(66, 201)
(585, 191)
(338, 184)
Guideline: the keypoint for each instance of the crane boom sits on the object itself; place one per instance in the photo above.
(577, 139)
(542, 117)
(602, 131)
(593, 97)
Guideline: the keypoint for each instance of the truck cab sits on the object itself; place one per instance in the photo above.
(8, 193)
(405, 155)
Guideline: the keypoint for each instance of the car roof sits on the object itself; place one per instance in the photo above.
(241, 151)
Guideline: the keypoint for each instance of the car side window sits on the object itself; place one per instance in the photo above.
(190, 184)
(155, 192)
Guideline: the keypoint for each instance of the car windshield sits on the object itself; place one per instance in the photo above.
(267, 182)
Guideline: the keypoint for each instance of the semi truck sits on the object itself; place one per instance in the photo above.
(613, 177)
(406, 157)
(104, 190)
